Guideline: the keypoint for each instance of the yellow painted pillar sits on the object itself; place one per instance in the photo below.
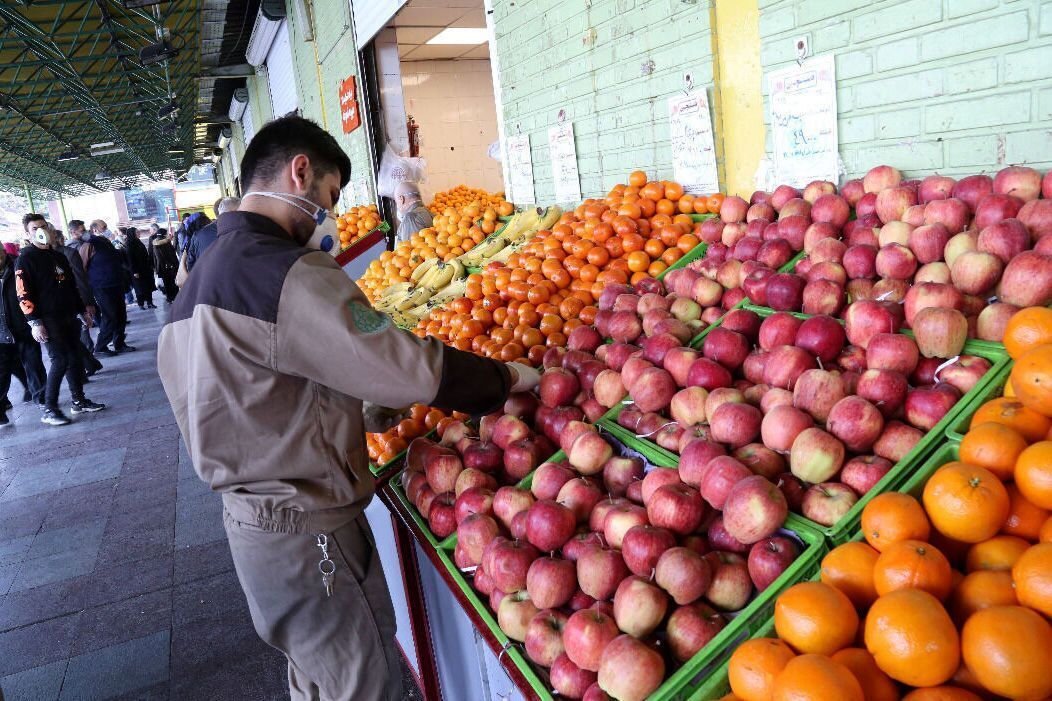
(738, 92)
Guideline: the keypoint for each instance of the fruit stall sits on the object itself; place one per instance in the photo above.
(789, 445)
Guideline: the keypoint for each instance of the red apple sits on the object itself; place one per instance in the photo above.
(1026, 281)
(792, 487)
(1006, 239)
(475, 500)
(972, 189)
(769, 558)
(639, 606)
(1037, 216)
(924, 408)
(690, 628)
(754, 509)
(760, 459)
(548, 479)
(866, 318)
(856, 422)
(896, 262)
(864, 472)
(1018, 181)
(735, 423)
(619, 519)
(965, 373)
(688, 405)
(779, 329)
(508, 564)
(708, 374)
(583, 542)
(785, 366)
(509, 429)
(898, 440)
(677, 507)
(828, 502)
(782, 424)
(815, 393)
(643, 545)
(514, 615)
(586, 634)
(721, 474)
(630, 669)
(952, 213)
(993, 320)
(881, 178)
(619, 472)
(785, 292)
(441, 516)
(695, 459)
(549, 524)
(940, 332)
(994, 207)
(683, 573)
(589, 452)
(935, 187)
(731, 586)
(544, 637)
(816, 455)
(886, 389)
(860, 261)
(775, 396)
(551, 581)
(600, 571)
(822, 336)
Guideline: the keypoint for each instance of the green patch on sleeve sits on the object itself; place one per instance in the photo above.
(368, 320)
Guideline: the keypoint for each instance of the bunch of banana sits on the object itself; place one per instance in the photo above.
(439, 273)
(519, 230)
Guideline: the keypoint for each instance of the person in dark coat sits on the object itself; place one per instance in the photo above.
(19, 353)
(106, 273)
(141, 267)
(165, 262)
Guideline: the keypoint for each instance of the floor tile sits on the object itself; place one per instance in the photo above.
(117, 669)
(197, 561)
(138, 616)
(199, 519)
(37, 644)
(37, 684)
(56, 567)
(211, 598)
(14, 549)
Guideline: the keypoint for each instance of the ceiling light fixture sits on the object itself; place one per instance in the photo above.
(460, 35)
(68, 156)
(107, 151)
(170, 109)
(104, 144)
(156, 53)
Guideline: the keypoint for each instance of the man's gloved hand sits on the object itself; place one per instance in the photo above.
(87, 319)
(39, 334)
(378, 419)
(523, 377)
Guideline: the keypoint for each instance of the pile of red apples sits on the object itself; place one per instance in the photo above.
(819, 408)
(979, 246)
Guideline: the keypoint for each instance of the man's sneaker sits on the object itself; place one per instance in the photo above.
(124, 349)
(105, 352)
(54, 417)
(85, 406)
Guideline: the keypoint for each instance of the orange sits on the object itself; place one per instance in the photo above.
(1032, 379)
(941, 693)
(1009, 650)
(816, 678)
(913, 564)
(754, 666)
(912, 638)
(893, 517)
(993, 446)
(965, 502)
(1033, 474)
(1011, 412)
(876, 686)
(982, 589)
(1024, 517)
(849, 568)
(1027, 329)
(997, 553)
(1045, 536)
(814, 617)
(637, 179)
(1032, 576)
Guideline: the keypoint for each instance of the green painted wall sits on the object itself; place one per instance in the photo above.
(611, 65)
(955, 86)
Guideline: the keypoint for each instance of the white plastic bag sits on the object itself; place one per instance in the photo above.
(395, 168)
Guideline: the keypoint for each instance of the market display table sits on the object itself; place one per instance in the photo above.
(356, 258)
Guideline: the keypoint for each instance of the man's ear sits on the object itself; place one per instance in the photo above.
(300, 172)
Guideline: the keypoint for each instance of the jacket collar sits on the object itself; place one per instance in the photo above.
(250, 221)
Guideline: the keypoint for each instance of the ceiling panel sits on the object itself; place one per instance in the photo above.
(480, 51)
(413, 16)
(472, 18)
(416, 35)
(421, 20)
(427, 52)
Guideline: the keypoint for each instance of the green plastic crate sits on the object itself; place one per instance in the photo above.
(379, 470)
(991, 390)
(688, 258)
(703, 217)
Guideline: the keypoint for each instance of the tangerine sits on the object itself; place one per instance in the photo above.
(994, 446)
(1033, 474)
(997, 553)
(912, 638)
(1024, 517)
(1027, 329)
(893, 517)
(814, 617)
(816, 678)
(637, 179)
(849, 568)
(1032, 576)
(913, 564)
(982, 589)
(941, 693)
(754, 665)
(965, 502)
(1032, 379)
(1009, 650)
(876, 686)
(1045, 536)
(1012, 412)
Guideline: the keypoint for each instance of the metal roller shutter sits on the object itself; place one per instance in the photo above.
(247, 126)
(281, 78)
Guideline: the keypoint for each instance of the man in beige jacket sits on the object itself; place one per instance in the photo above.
(270, 352)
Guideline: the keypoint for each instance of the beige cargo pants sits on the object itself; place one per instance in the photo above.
(339, 647)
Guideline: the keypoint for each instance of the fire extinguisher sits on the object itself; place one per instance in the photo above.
(414, 137)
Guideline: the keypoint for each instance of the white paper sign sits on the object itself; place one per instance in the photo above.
(693, 152)
(520, 169)
(803, 122)
(563, 152)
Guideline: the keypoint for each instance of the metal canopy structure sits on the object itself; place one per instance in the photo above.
(101, 94)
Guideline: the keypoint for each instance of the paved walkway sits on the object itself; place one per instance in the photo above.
(115, 577)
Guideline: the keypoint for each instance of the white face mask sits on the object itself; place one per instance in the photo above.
(318, 215)
(85, 236)
(325, 237)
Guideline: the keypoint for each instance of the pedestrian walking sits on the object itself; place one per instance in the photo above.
(48, 297)
(19, 353)
(207, 235)
(138, 261)
(165, 263)
(106, 274)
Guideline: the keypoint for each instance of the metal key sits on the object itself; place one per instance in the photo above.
(326, 566)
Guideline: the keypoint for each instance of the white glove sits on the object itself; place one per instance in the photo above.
(88, 319)
(523, 377)
(39, 334)
(378, 419)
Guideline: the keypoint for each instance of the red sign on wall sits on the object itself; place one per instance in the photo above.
(349, 105)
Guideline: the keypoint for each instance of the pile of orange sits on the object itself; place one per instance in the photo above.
(383, 447)
(947, 597)
(462, 196)
(517, 310)
(356, 223)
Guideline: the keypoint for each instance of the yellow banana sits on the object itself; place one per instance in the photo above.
(421, 269)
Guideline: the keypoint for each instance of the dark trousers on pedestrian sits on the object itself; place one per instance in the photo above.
(22, 359)
(114, 317)
(168, 286)
(62, 349)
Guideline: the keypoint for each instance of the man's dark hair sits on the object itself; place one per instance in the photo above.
(75, 223)
(282, 140)
(31, 217)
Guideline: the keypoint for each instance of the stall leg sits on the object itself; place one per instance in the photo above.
(417, 612)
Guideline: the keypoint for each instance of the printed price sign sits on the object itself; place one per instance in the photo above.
(349, 106)
(563, 152)
(803, 122)
(520, 169)
(693, 152)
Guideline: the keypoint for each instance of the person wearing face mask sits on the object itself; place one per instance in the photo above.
(412, 214)
(85, 345)
(273, 360)
(48, 297)
(107, 276)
